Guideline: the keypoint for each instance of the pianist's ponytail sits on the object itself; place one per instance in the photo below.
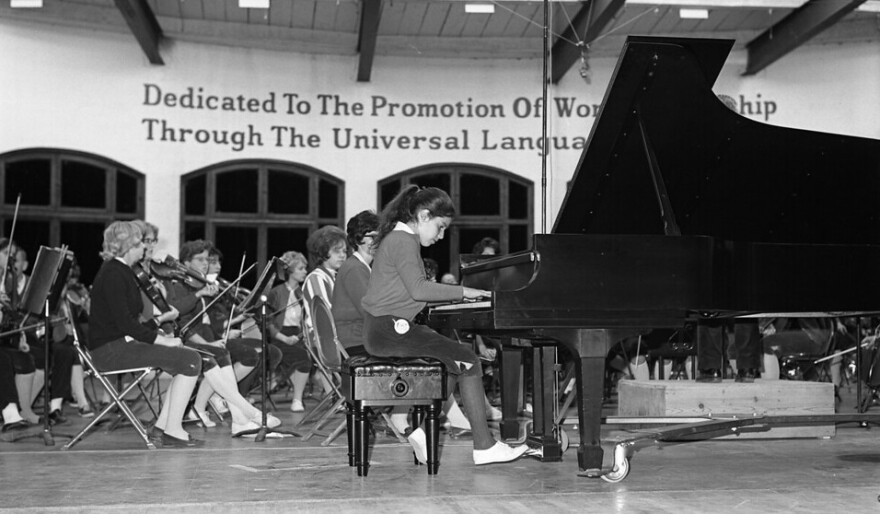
(407, 204)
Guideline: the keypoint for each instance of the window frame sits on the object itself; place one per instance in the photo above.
(261, 220)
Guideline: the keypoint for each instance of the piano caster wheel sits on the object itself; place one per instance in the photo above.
(564, 442)
(615, 476)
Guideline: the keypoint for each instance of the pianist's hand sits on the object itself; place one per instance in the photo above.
(475, 294)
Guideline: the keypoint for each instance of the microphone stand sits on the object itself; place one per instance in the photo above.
(264, 429)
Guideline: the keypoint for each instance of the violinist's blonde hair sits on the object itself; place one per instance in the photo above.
(119, 238)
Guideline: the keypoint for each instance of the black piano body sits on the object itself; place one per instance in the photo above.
(682, 209)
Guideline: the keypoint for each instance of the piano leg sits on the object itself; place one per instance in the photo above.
(590, 373)
(510, 360)
(590, 347)
(544, 404)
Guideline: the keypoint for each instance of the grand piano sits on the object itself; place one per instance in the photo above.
(681, 209)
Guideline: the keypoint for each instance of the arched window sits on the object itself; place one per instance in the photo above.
(67, 198)
(258, 208)
(489, 203)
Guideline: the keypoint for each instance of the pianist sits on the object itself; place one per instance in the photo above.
(398, 290)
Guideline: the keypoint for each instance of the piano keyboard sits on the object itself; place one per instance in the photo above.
(484, 304)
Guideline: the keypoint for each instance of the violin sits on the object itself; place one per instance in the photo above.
(173, 269)
(235, 295)
(145, 281)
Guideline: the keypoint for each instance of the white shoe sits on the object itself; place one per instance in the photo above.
(493, 413)
(238, 429)
(219, 404)
(419, 444)
(271, 421)
(499, 453)
(297, 406)
(195, 415)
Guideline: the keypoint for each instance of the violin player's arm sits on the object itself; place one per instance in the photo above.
(181, 297)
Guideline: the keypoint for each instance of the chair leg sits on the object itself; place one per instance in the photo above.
(335, 433)
(432, 436)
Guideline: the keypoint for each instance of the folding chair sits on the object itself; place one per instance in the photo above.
(327, 353)
(118, 398)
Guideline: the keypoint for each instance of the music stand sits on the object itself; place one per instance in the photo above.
(40, 297)
(264, 282)
(258, 299)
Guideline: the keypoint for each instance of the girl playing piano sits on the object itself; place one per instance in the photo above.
(398, 290)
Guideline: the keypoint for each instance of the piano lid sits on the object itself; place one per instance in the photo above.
(666, 156)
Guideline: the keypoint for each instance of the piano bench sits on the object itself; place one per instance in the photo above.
(369, 381)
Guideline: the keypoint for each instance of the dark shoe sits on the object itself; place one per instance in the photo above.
(56, 417)
(173, 442)
(712, 375)
(86, 412)
(17, 425)
(155, 436)
(746, 375)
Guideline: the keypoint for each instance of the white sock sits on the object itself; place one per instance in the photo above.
(640, 370)
(55, 404)
(10, 414)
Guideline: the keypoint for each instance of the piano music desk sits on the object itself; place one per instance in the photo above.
(682, 398)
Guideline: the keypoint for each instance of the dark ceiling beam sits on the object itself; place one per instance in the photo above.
(586, 26)
(369, 31)
(794, 30)
(143, 25)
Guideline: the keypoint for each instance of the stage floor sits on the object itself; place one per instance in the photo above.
(113, 471)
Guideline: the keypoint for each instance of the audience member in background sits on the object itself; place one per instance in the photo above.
(487, 246)
(431, 269)
(448, 278)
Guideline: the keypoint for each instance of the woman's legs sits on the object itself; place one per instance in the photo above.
(222, 381)
(299, 379)
(77, 386)
(24, 384)
(176, 399)
(470, 386)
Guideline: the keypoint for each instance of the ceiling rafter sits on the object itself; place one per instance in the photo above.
(794, 30)
(143, 25)
(586, 26)
(371, 15)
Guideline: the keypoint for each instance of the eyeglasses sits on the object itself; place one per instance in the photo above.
(150, 241)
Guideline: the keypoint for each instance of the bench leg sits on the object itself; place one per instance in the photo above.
(432, 433)
(361, 439)
(349, 432)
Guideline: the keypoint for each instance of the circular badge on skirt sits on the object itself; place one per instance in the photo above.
(401, 326)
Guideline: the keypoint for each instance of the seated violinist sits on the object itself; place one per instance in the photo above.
(221, 320)
(119, 340)
(29, 354)
(189, 293)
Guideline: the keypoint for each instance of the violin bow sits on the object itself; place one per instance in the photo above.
(234, 295)
(201, 313)
(9, 248)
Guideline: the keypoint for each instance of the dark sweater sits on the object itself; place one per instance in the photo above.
(398, 286)
(116, 307)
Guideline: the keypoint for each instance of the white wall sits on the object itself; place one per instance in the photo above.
(86, 91)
